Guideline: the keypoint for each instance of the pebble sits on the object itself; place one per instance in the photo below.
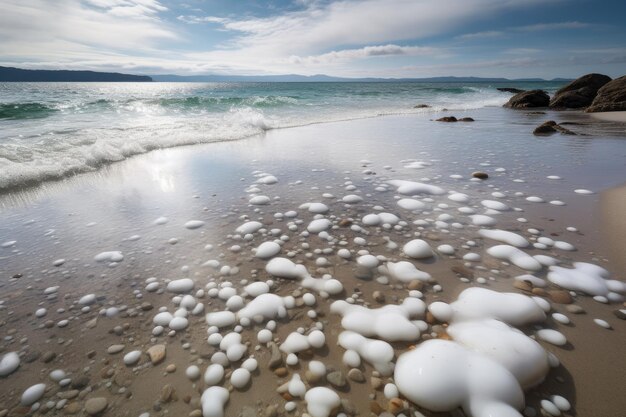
(480, 175)
(560, 296)
(356, 375)
(113, 349)
(575, 309)
(170, 368)
(336, 379)
(156, 354)
(95, 406)
(276, 358)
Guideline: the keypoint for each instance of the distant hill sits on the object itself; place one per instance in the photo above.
(9, 74)
(326, 78)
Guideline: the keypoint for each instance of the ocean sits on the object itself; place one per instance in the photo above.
(52, 130)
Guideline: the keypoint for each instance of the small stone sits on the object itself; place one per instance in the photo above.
(170, 368)
(271, 411)
(167, 393)
(156, 354)
(276, 358)
(376, 408)
(113, 349)
(196, 413)
(281, 372)
(560, 296)
(415, 285)
(95, 406)
(92, 323)
(480, 175)
(312, 378)
(80, 382)
(345, 223)
(378, 296)
(146, 306)
(539, 292)
(462, 271)
(376, 383)
(72, 408)
(395, 406)
(620, 314)
(575, 309)
(336, 379)
(356, 375)
(523, 285)
(48, 357)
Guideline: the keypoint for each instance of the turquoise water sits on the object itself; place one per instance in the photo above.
(52, 130)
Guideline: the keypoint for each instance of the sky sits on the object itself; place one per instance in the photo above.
(348, 38)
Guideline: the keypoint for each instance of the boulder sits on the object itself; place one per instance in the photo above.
(579, 93)
(529, 99)
(510, 90)
(421, 106)
(611, 97)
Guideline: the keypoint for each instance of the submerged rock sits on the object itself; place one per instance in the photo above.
(550, 127)
(611, 97)
(580, 92)
(421, 106)
(447, 119)
(529, 99)
(510, 90)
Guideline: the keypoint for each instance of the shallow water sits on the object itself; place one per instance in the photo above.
(52, 130)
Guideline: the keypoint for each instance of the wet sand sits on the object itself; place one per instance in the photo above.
(79, 218)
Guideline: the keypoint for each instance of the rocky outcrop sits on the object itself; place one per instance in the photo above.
(611, 97)
(451, 119)
(579, 93)
(529, 99)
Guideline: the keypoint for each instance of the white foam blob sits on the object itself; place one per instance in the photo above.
(320, 401)
(213, 401)
(111, 256)
(267, 250)
(505, 236)
(413, 188)
(552, 336)
(585, 277)
(406, 272)
(390, 322)
(376, 352)
(180, 285)
(9, 363)
(194, 224)
(515, 256)
(418, 249)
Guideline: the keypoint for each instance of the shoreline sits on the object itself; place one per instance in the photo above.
(115, 209)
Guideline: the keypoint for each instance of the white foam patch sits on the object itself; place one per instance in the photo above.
(213, 401)
(418, 249)
(482, 220)
(515, 256)
(411, 204)
(406, 272)
(414, 188)
(495, 205)
(585, 277)
(376, 352)
(264, 307)
(505, 236)
(110, 256)
(249, 227)
(267, 250)
(390, 322)
(321, 401)
(319, 225)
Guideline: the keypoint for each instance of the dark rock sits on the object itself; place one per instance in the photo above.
(48, 357)
(550, 127)
(276, 358)
(466, 119)
(579, 93)
(545, 129)
(336, 379)
(447, 119)
(80, 382)
(529, 99)
(510, 90)
(611, 97)
(480, 175)
(421, 106)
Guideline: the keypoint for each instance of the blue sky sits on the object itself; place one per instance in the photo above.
(378, 38)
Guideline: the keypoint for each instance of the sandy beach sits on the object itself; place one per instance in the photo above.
(124, 233)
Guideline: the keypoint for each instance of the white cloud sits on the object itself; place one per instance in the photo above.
(553, 26)
(481, 35)
(365, 52)
(194, 20)
(70, 26)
